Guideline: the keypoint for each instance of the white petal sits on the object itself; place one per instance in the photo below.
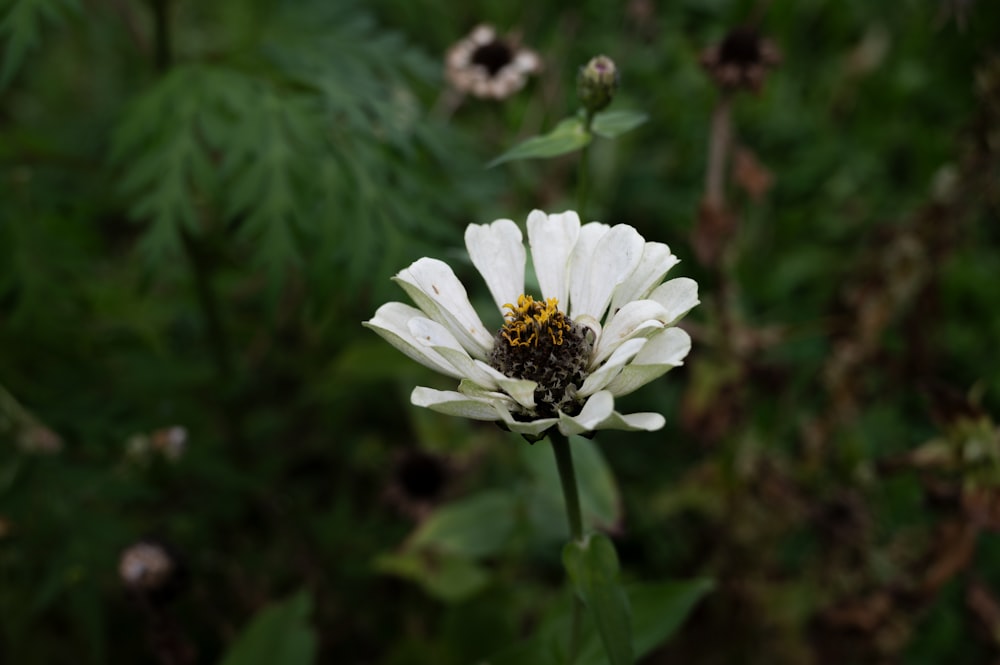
(645, 421)
(656, 261)
(600, 263)
(609, 370)
(639, 318)
(391, 323)
(580, 264)
(531, 427)
(598, 413)
(552, 239)
(662, 352)
(678, 297)
(435, 336)
(597, 409)
(434, 288)
(456, 404)
(521, 391)
(497, 251)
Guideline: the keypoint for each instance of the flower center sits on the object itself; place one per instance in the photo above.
(539, 343)
(494, 56)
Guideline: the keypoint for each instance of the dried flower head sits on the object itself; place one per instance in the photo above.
(488, 66)
(170, 442)
(148, 568)
(741, 61)
(39, 439)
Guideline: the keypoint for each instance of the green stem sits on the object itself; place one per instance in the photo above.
(163, 53)
(583, 184)
(567, 477)
(208, 302)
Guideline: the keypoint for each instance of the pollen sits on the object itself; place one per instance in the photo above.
(532, 320)
(540, 343)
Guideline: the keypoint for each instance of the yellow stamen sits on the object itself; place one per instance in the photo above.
(530, 319)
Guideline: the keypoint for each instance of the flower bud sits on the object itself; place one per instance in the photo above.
(596, 83)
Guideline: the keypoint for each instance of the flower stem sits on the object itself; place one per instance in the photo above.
(208, 302)
(163, 54)
(583, 182)
(567, 477)
(718, 152)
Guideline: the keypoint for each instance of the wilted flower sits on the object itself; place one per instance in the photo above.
(169, 442)
(39, 439)
(151, 569)
(488, 66)
(741, 60)
(604, 325)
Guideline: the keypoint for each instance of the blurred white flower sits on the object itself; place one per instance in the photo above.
(486, 65)
(603, 328)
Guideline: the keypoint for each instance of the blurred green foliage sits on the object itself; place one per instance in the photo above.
(199, 203)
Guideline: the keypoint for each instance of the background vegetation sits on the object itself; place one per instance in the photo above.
(201, 201)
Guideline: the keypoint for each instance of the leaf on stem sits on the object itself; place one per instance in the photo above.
(658, 610)
(21, 24)
(443, 554)
(592, 565)
(569, 135)
(474, 527)
(279, 633)
(611, 124)
(451, 578)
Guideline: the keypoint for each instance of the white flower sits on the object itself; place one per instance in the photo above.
(603, 327)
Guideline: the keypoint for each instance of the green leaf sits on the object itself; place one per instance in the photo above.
(658, 610)
(279, 633)
(611, 124)
(449, 577)
(568, 135)
(592, 566)
(474, 527)
(20, 30)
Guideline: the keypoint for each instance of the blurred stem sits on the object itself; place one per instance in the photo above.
(583, 186)
(719, 144)
(196, 252)
(163, 52)
(718, 151)
(567, 477)
(208, 302)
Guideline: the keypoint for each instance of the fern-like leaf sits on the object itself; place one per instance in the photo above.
(21, 23)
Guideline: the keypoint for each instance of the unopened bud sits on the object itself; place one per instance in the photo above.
(596, 83)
